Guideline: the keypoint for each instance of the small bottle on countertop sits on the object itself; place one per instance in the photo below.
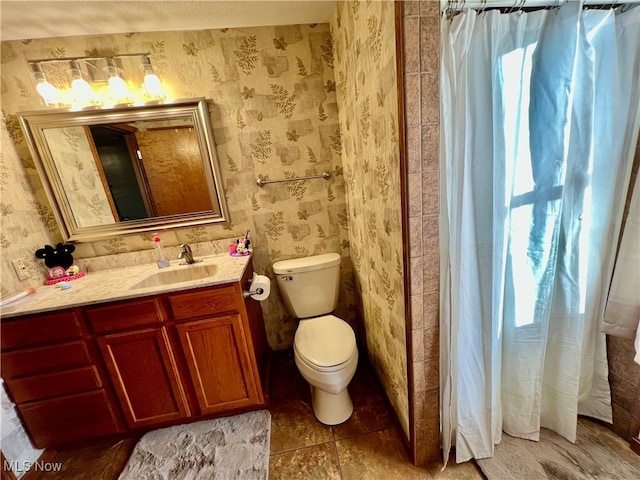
(162, 261)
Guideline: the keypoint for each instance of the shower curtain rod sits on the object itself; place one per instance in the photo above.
(457, 5)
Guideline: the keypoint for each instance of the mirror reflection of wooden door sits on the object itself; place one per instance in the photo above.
(174, 171)
(121, 177)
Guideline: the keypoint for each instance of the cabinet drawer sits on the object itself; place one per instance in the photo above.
(41, 329)
(32, 361)
(110, 318)
(204, 303)
(40, 387)
(71, 418)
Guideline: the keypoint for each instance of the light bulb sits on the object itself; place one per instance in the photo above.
(82, 91)
(151, 82)
(117, 85)
(153, 85)
(47, 91)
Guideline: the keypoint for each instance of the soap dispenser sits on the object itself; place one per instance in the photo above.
(162, 261)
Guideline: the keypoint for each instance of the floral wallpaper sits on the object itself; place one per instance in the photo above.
(274, 113)
(285, 101)
(70, 147)
(365, 62)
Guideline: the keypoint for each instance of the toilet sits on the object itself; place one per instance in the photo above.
(324, 346)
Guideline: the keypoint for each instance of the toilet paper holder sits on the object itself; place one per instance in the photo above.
(258, 288)
(248, 293)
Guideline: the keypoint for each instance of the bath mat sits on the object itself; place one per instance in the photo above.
(229, 448)
(597, 454)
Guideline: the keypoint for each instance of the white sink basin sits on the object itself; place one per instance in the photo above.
(177, 274)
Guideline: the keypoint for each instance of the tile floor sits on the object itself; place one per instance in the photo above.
(367, 446)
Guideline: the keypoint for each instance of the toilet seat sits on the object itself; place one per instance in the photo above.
(332, 369)
(325, 343)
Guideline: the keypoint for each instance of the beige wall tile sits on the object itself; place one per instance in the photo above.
(431, 307)
(431, 373)
(430, 237)
(429, 43)
(622, 392)
(430, 99)
(419, 379)
(430, 342)
(411, 45)
(430, 6)
(427, 448)
(412, 99)
(414, 186)
(414, 147)
(416, 275)
(415, 237)
(430, 192)
(426, 436)
(417, 310)
(427, 404)
(431, 273)
(430, 148)
(410, 7)
(432, 401)
(418, 346)
(420, 405)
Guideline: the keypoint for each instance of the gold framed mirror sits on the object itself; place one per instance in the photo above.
(126, 170)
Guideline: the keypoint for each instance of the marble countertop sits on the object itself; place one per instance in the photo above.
(130, 282)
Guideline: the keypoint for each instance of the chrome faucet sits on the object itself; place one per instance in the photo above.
(186, 254)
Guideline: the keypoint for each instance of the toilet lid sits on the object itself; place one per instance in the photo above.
(325, 341)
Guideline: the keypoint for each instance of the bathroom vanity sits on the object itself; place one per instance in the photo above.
(160, 348)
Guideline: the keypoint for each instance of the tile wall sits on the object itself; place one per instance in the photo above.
(421, 46)
(624, 373)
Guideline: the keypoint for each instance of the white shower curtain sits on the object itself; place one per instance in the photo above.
(540, 114)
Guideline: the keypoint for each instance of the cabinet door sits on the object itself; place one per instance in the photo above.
(145, 377)
(217, 358)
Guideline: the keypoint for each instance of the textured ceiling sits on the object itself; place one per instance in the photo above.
(23, 19)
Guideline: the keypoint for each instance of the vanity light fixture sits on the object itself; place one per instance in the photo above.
(78, 82)
(48, 92)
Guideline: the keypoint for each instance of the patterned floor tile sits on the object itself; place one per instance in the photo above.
(293, 424)
(319, 462)
(377, 455)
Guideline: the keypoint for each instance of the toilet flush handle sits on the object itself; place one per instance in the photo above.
(287, 278)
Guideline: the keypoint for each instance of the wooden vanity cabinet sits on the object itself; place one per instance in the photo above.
(136, 364)
(52, 373)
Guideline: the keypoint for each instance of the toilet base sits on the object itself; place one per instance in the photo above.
(329, 408)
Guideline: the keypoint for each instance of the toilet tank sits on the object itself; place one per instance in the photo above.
(310, 285)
